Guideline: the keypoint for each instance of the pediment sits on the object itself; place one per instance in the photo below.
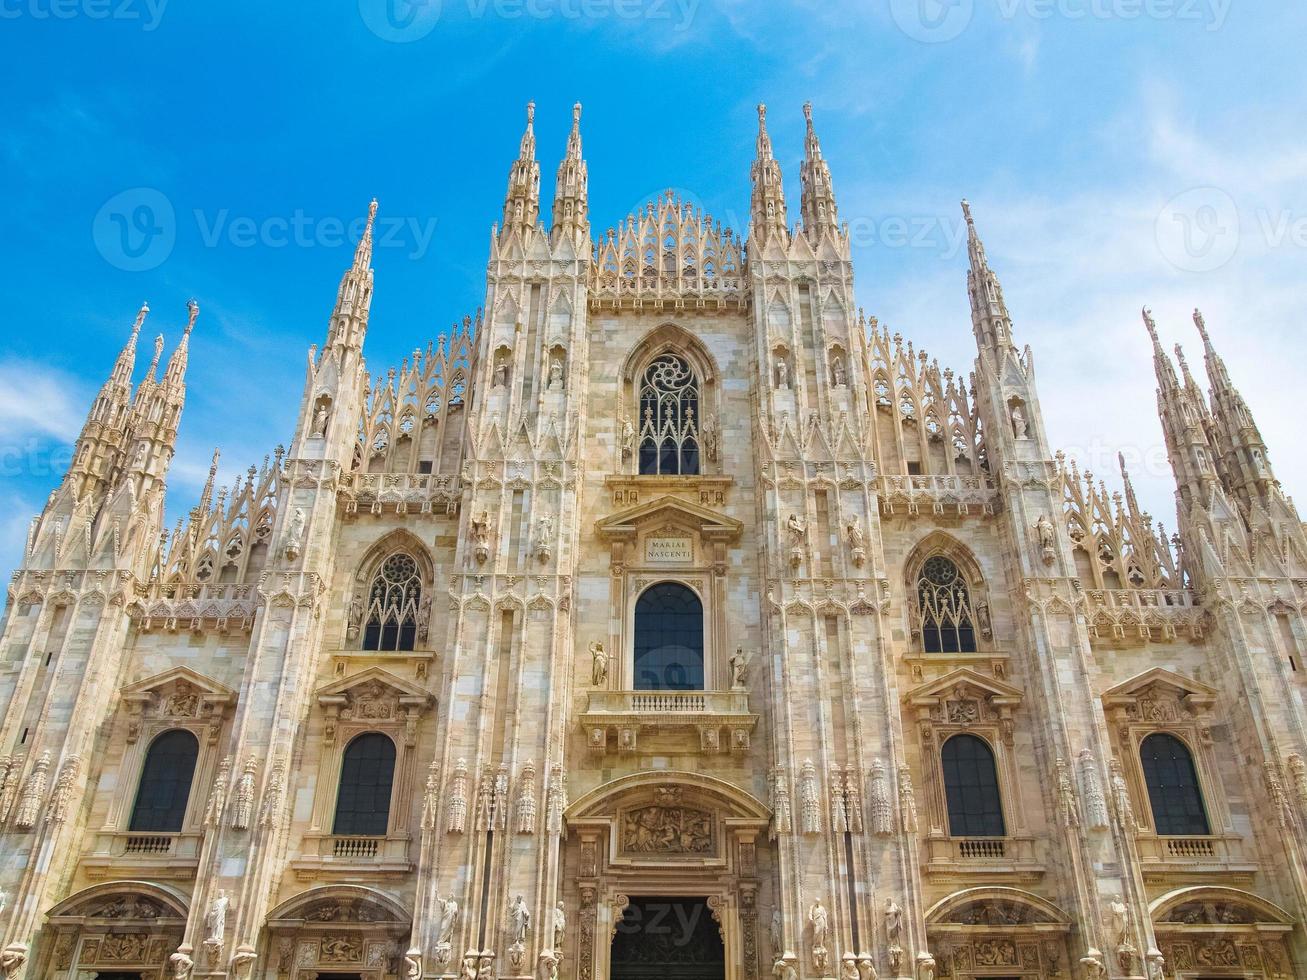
(181, 689)
(1157, 686)
(669, 511)
(374, 685)
(964, 681)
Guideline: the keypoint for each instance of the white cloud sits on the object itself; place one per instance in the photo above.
(37, 401)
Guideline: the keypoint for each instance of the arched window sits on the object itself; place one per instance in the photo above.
(668, 639)
(975, 808)
(947, 624)
(669, 417)
(393, 605)
(366, 775)
(165, 783)
(1173, 790)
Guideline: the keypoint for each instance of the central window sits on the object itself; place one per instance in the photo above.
(669, 418)
(393, 603)
(668, 639)
(946, 622)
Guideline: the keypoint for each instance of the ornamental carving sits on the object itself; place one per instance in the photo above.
(1215, 913)
(667, 830)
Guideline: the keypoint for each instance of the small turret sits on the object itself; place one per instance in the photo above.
(989, 315)
(767, 204)
(522, 202)
(818, 200)
(571, 196)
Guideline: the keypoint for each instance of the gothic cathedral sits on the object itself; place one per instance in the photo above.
(668, 618)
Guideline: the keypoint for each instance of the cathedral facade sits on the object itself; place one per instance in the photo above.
(667, 618)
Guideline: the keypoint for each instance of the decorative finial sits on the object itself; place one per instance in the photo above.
(530, 112)
(966, 212)
(372, 211)
(192, 313)
(140, 318)
(762, 113)
(158, 348)
(1150, 324)
(576, 115)
(1201, 323)
(807, 113)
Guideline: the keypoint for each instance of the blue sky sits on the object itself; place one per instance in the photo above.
(1117, 152)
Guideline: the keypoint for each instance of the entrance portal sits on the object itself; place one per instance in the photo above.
(668, 938)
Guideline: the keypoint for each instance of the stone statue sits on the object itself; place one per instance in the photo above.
(1019, 426)
(628, 436)
(413, 964)
(738, 664)
(1045, 533)
(820, 920)
(849, 967)
(837, 372)
(501, 374)
(544, 534)
(448, 919)
(599, 664)
(560, 926)
(710, 441)
(215, 921)
(481, 529)
(776, 935)
(4, 901)
(182, 965)
(295, 534)
(782, 374)
(556, 375)
(893, 921)
(798, 532)
(854, 534)
(520, 920)
(320, 422)
(548, 965)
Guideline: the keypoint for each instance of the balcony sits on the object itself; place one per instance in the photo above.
(1163, 856)
(173, 855)
(326, 854)
(701, 721)
(965, 856)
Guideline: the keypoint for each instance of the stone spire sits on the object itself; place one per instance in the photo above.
(570, 211)
(349, 319)
(818, 201)
(1245, 465)
(176, 372)
(522, 202)
(767, 204)
(989, 316)
(1187, 444)
(104, 432)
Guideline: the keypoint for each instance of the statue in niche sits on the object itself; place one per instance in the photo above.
(1045, 533)
(776, 935)
(481, 536)
(798, 531)
(215, 921)
(556, 374)
(838, 374)
(320, 418)
(782, 374)
(295, 534)
(501, 374)
(1020, 428)
(599, 664)
(448, 919)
